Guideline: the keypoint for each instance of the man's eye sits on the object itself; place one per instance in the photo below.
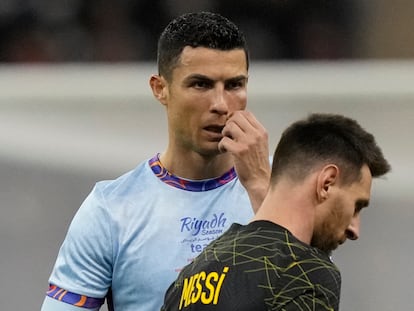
(359, 206)
(234, 85)
(201, 84)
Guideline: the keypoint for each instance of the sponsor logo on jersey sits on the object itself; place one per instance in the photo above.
(214, 225)
(202, 288)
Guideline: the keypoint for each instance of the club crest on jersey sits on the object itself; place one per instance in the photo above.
(202, 288)
(196, 226)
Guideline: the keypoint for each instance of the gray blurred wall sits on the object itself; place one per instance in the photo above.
(64, 128)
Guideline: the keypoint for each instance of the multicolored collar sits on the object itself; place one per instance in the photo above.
(190, 185)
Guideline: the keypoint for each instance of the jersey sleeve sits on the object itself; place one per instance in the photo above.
(314, 286)
(83, 269)
(309, 301)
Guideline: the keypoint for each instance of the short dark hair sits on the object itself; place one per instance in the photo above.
(323, 138)
(197, 29)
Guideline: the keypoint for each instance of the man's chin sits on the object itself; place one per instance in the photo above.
(210, 151)
(328, 249)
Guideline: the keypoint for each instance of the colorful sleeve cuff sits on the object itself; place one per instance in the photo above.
(77, 300)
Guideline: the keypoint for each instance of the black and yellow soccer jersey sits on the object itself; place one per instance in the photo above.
(260, 266)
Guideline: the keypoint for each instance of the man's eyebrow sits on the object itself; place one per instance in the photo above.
(197, 76)
(237, 78)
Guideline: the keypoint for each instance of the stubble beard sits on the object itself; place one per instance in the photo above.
(324, 237)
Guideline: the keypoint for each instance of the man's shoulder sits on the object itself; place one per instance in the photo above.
(129, 179)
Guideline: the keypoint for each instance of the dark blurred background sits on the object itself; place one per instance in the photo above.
(127, 30)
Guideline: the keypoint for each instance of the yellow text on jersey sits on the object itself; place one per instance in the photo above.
(202, 287)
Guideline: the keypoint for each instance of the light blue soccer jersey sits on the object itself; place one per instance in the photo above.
(134, 234)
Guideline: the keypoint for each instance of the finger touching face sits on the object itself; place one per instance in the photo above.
(242, 131)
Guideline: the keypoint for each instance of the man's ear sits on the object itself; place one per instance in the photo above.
(328, 176)
(159, 87)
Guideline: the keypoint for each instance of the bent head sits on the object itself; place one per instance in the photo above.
(343, 158)
(338, 211)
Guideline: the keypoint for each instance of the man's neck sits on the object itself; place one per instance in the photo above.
(196, 167)
(291, 208)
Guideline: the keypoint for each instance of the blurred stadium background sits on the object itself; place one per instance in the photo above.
(75, 108)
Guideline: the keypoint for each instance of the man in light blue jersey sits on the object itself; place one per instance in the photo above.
(132, 235)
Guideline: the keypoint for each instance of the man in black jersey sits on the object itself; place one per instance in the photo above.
(321, 179)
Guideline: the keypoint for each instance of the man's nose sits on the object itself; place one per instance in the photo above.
(220, 103)
(352, 232)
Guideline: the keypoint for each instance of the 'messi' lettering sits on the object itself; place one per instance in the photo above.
(202, 288)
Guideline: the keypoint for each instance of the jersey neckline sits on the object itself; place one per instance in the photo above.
(187, 184)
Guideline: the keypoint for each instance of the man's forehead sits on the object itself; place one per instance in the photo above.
(212, 64)
(364, 184)
(201, 55)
